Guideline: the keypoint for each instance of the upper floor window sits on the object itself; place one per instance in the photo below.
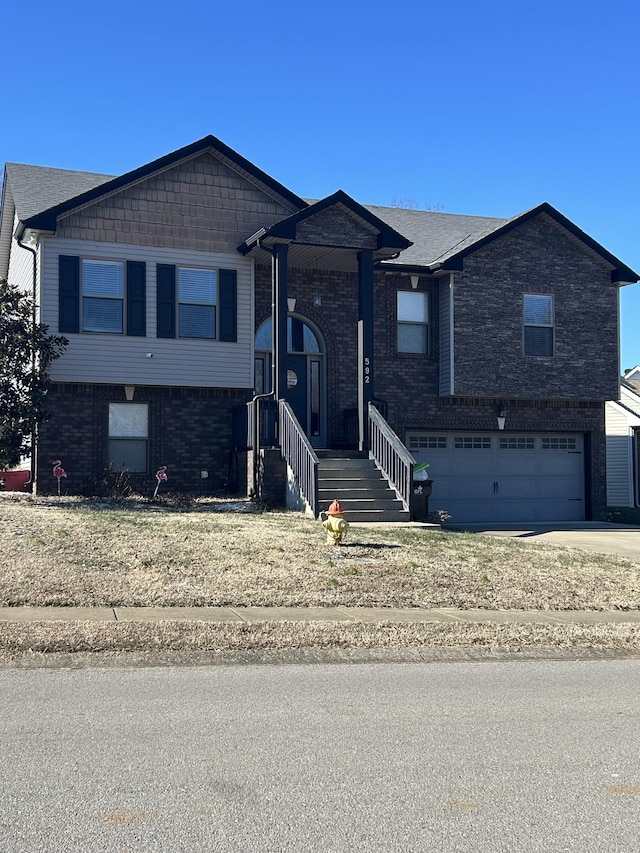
(97, 295)
(413, 321)
(538, 324)
(102, 296)
(197, 302)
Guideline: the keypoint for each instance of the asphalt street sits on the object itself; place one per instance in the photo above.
(501, 756)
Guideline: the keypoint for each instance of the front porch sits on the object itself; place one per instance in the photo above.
(372, 485)
(314, 364)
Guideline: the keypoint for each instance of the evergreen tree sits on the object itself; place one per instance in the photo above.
(26, 352)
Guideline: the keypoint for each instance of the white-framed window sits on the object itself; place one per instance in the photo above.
(197, 302)
(538, 324)
(413, 321)
(129, 437)
(102, 296)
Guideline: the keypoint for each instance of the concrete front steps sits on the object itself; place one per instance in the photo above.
(359, 486)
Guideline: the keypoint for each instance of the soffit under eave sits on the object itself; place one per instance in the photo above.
(302, 256)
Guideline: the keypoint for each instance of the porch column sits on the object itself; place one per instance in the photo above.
(365, 344)
(279, 311)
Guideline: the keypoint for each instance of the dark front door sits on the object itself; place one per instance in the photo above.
(306, 375)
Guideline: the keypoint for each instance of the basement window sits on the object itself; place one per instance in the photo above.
(129, 437)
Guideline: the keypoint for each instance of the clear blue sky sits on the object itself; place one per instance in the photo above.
(484, 108)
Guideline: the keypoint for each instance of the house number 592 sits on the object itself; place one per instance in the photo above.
(367, 371)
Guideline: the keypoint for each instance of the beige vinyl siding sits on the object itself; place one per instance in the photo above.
(618, 425)
(631, 400)
(113, 358)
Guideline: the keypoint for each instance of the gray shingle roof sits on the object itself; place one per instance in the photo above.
(435, 236)
(37, 188)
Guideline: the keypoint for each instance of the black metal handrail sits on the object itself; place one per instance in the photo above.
(297, 451)
(391, 456)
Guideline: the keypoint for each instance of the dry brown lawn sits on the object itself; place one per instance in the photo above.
(73, 552)
(34, 640)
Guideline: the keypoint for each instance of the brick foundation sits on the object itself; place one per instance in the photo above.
(190, 430)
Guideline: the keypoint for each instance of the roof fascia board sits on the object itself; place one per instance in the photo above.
(285, 229)
(390, 268)
(47, 219)
(632, 416)
(621, 273)
(630, 391)
(452, 265)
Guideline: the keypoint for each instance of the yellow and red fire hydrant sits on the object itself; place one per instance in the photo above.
(335, 525)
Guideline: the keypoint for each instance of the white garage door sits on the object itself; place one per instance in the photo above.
(503, 476)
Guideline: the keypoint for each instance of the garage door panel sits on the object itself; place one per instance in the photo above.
(560, 464)
(517, 478)
(510, 489)
(469, 489)
(516, 465)
(471, 466)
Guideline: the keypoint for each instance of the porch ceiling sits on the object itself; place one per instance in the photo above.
(314, 257)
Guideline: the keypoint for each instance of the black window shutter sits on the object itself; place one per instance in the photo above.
(136, 298)
(166, 287)
(228, 305)
(68, 293)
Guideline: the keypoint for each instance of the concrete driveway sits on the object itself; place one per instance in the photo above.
(601, 536)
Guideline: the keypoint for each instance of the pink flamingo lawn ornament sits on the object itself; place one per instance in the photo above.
(161, 475)
(59, 472)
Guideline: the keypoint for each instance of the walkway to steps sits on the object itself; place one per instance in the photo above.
(360, 488)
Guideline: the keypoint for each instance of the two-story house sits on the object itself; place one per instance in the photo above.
(197, 283)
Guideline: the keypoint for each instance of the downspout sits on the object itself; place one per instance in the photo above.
(34, 317)
(255, 405)
(452, 379)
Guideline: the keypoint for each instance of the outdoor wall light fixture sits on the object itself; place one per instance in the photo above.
(501, 416)
(149, 355)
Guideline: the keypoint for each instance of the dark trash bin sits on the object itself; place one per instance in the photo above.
(420, 499)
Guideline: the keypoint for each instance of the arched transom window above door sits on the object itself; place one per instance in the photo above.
(300, 337)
